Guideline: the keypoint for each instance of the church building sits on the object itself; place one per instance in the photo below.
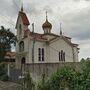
(32, 47)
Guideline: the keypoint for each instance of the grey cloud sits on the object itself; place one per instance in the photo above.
(87, 0)
(77, 24)
(32, 9)
(8, 8)
(48, 9)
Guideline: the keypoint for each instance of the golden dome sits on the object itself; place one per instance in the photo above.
(47, 25)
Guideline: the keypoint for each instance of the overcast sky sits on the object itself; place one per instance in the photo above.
(73, 14)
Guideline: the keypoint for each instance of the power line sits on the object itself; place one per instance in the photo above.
(59, 51)
(16, 4)
(7, 20)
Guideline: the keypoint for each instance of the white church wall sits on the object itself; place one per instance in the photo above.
(75, 54)
(49, 36)
(18, 29)
(17, 47)
(38, 44)
(41, 45)
(58, 46)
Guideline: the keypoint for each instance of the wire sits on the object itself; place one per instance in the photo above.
(16, 4)
(59, 51)
(7, 20)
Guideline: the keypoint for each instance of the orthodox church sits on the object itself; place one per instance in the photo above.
(32, 47)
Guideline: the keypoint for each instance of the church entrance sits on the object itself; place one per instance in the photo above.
(23, 61)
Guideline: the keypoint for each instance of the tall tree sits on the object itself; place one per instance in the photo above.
(7, 38)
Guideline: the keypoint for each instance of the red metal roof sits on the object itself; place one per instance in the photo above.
(24, 18)
(10, 55)
(37, 36)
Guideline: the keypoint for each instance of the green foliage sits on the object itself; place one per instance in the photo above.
(68, 77)
(86, 75)
(29, 84)
(7, 38)
(43, 85)
(3, 74)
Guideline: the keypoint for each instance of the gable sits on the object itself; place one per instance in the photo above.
(61, 38)
(24, 19)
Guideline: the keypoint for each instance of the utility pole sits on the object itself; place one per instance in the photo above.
(33, 47)
(60, 29)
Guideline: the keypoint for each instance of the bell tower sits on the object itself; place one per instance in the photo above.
(21, 24)
(21, 27)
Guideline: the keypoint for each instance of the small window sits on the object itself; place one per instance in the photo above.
(61, 56)
(20, 29)
(39, 54)
(21, 46)
(64, 56)
(42, 54)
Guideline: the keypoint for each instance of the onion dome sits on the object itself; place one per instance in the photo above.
(47, 25)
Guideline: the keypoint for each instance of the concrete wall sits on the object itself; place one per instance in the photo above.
(37, 70)
(48, 69)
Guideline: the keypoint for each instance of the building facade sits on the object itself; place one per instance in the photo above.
(47, 47)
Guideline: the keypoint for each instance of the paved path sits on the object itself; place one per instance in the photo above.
(9, 86)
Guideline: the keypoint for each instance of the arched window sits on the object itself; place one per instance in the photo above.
(23, 60)
(40, 54)
(20, 29)
(21, 46)
(62, 56)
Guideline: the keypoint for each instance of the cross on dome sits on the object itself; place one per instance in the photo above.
(47, 26)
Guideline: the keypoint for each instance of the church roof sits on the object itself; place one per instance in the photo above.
(10, 56)
(37, 36)
(34, 35)
(24, 18)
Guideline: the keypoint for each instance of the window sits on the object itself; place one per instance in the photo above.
(21, 46)
(61, 56)
(64, 56)
(20, 29)
(40, 54)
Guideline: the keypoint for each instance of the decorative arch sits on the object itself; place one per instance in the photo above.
(21, 46)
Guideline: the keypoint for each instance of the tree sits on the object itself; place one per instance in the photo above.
(3, 73)
(7, 38)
